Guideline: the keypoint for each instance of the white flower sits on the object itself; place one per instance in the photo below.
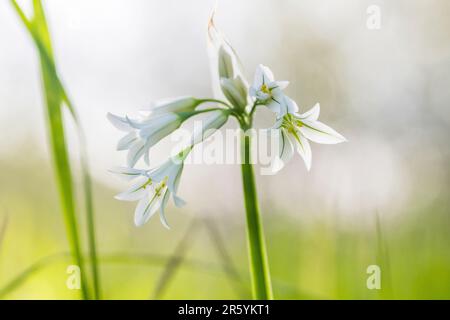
(152, 188)
(269, 92)
(294, 131)
(144, 134)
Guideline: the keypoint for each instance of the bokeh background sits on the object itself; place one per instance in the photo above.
(382, 198)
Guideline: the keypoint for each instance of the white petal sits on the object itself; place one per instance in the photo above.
(262, 96)
(275, 106)
(135, 153)
(318, 132)
(120, 123)
(161, 172)
(174, 176)
(267, 75)
(147, 155)
(209, 126)
(258, 79)
(173, 105)
(155, 134)
(291, 105)
(128, 173)
(285, 151)
(171, 170)
(303, 149)
(126, 142)
(136, 192)
(278, 123)
(162, 214)
(146, 208)
(173, 184)
(278, 85)
(152, 123)
(178, 201)
(312, 114)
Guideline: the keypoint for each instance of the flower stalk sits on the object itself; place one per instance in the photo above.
(233, 98)
(259, 265)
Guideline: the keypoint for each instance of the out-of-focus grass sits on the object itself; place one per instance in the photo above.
(56, 99)
(324, 259)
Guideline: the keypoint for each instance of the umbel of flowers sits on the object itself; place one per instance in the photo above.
(153, 187)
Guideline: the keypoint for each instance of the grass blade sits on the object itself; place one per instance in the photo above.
(3, 230)
(56, 97)
(227, 263)
(175, 260)
(383, 256)
(17, 281)
(113, 258)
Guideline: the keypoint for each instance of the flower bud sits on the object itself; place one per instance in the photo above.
(235, 91)
(225, 64)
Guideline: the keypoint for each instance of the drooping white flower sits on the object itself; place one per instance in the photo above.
(152, 188)
(294, 131)
(269, 92)
(142, 134)
(128, 173)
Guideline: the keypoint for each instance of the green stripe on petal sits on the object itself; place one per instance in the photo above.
(320, 133)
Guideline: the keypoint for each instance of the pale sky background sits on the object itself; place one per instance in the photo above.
(385, 90)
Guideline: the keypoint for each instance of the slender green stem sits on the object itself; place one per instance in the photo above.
(259, 266)
(63, 174)
(91, 225)
(204, 111)
(55, 97)
(255, 104)
(216, 101)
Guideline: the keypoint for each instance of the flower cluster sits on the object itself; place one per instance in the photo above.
(293, 129)
(153, 187)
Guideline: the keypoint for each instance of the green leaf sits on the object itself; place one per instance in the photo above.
(55, 99)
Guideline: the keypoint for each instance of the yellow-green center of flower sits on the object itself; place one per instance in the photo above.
(265, 89)
(149, 182)
(161, 186)
(291, 124)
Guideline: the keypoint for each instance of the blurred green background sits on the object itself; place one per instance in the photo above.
(382, 198)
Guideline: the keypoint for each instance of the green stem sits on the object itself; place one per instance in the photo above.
(54, 97)
(216, 101)
(63, 174)
(91, 227)
(252, 111)
(259, 266)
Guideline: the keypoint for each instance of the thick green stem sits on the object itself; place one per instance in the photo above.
(259, 266)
